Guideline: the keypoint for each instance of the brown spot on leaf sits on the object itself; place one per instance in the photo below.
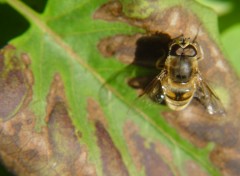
(95, 112)
(111, 11)
(148, 157)
(15, 82)
(62, 135)
(55, 150)
(215, 133)
(233, 167)
(201, 131)
(113, 164)
(121, 46)
(227, 160)
(111, 157)
(175, 20)
(23, 150)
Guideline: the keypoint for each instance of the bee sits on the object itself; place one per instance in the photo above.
(180, 79)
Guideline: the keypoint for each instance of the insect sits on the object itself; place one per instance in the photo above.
(180, 79)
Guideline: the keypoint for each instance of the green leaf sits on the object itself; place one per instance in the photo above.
(78, 115)
(230, 39)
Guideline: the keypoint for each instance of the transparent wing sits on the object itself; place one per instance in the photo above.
(208, 98)
(154, 89)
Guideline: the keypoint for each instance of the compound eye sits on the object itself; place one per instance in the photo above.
(176, 50)
(190, 51)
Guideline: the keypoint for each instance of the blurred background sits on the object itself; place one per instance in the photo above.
(228, 12)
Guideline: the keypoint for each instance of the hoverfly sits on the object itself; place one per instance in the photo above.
(180, 79)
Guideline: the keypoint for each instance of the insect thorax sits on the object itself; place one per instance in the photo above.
(181, 69)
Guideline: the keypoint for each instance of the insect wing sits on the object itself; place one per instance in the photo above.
(154, 88)
(208, 98)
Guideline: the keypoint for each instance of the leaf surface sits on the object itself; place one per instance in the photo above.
(77, 114)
